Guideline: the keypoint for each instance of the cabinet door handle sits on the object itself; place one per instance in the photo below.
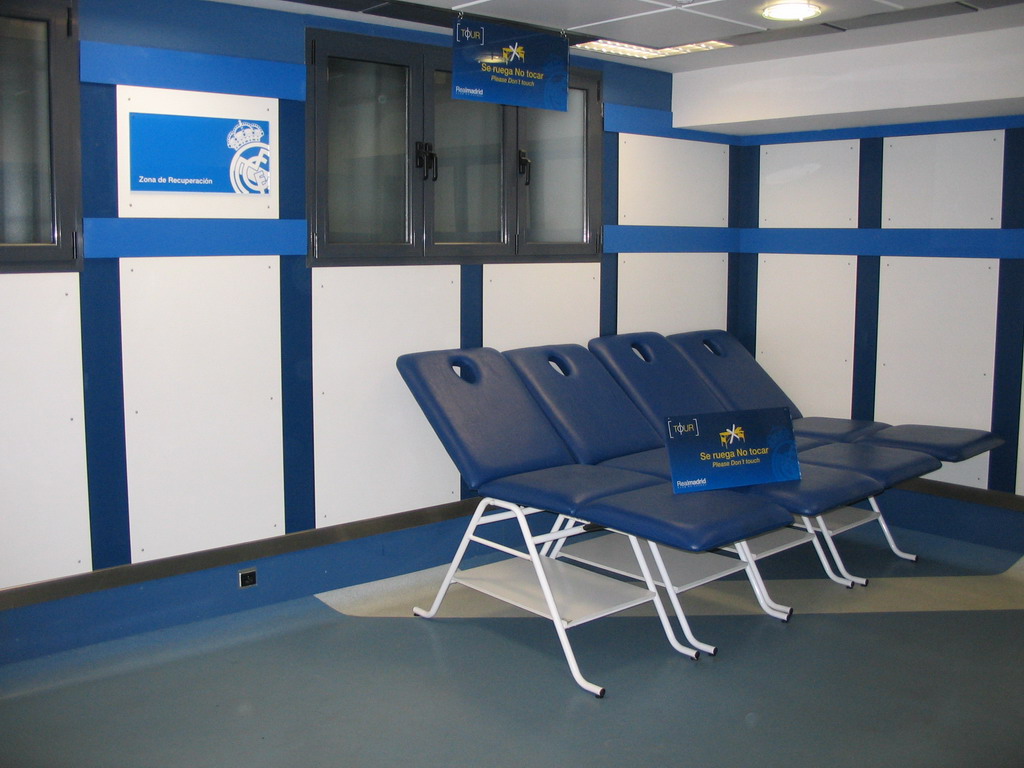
(431, 163)
(525, 165)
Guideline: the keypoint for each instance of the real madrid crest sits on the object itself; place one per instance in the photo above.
(250, 167)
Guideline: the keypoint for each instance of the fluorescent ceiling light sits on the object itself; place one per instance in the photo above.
(795, 11)
(614, 48)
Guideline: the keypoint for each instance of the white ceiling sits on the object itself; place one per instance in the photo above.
(857, 33)
(843, 24)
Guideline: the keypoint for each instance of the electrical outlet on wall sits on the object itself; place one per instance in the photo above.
(247, 578)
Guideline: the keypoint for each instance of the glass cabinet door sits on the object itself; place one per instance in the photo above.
(364, 200)
(26, 191)
(468, 178)
(559, 175)
(367, 157)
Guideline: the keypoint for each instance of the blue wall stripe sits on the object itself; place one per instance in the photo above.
(221, 29)
(744, 212)
(962, 243)
(1008, 376)
(116, 238)
(865, 332)
(608, 323)
(106, 461)
(1006, 391)
(161, 68)
(99, 151)
(471, 322)
(608, 320)
(291, 184)
(630, 86)
(650, 239)
(297, 393)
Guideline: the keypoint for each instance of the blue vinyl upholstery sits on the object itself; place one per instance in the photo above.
(944, 443)
(566, 488)
(506, 447)
(731, 371)
(663, 383)
(656, 377)
(740, 381)
(591, 412)
(888, 466)
(602, 424)
(482, 413)
(696, 522)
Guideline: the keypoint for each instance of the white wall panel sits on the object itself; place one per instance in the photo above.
(672, 182)
(530, 304)
(202, 388)
(943, 181)
(672, 292)
(806, 308)
(44, 504)
(936, 348)
(810, 185)
(375, 452)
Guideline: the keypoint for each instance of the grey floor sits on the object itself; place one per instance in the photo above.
(921, 668)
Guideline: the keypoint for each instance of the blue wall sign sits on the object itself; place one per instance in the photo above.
(725, 450)
(184, 153)
(501, 64)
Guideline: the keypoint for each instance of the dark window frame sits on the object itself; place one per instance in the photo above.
(423, 60)
(63, 254)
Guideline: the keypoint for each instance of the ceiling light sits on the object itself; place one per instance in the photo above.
(795, 11)
(614, 48)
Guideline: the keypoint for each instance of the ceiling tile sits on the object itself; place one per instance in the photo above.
(672, 27)
(556, 15)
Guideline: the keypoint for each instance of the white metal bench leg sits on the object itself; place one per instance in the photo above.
(837, 559)
(552, 548)
(456, 562)
(769, 606)
(842, 577)
(676, 606)
(556, 618)
(888, 534)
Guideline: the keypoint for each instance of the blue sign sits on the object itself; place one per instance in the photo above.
(725, 450)
(184, 153)
(501, 64)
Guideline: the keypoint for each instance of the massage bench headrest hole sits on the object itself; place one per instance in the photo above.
(465, 371)
(713, 348)
(559, 364)
(641, 352)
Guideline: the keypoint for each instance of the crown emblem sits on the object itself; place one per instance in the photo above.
(244, 133)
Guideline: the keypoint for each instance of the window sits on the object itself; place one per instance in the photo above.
(39, 156)
(400, 172)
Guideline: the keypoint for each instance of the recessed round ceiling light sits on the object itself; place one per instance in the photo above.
(796, 11)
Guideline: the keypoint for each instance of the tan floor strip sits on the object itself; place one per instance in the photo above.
(395, 597)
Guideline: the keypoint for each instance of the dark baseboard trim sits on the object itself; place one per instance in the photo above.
(965, 493)
(126, 575)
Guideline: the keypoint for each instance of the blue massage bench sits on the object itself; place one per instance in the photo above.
(602, 426)
(712, 375)
(740, 382)
(508, 451)
(578, 435)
